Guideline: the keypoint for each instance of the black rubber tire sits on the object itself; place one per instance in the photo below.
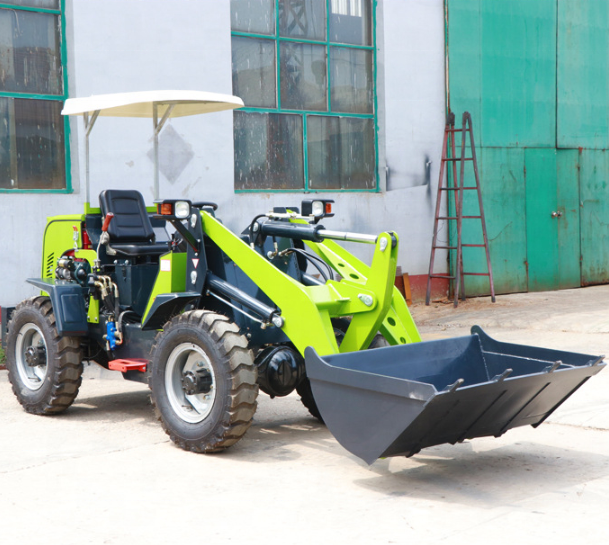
(304, 388)
(234, 378)
(63, 375)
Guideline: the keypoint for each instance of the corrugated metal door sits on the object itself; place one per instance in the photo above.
(583, 121)
(535, 77)
(552, 219)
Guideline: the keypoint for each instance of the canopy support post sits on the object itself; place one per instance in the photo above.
(88, 127)
(158, 127)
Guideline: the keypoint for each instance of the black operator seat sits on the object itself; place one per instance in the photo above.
(130, 230)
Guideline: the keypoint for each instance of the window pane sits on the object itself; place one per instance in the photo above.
(33, 145)
(268, 151)
(303, 77)
(49, 4)
(7, 177)
(302, 19)
(351, 22)
(29, 52)
(255, 16)
(341, 153)
(254, 71)
(351, 80)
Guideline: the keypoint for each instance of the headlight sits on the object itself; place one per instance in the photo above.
(182, 209)
(317, 209)
(170, 209)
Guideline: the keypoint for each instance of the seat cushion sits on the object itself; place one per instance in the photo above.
(141, 249)
(131, 222)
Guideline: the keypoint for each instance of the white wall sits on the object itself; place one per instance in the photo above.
(132, 45)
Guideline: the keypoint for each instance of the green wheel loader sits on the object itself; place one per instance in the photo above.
(206, 317)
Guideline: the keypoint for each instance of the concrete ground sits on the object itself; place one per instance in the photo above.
(105, 472)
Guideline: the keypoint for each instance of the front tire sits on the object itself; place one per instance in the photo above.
(44, 368)
(203, 381)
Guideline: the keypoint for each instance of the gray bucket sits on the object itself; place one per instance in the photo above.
(395, 401)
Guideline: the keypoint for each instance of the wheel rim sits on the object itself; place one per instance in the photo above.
(30, 337)
(188, 357)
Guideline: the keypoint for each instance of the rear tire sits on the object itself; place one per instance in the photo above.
(203, 344)
(44, 368)
(304, 388)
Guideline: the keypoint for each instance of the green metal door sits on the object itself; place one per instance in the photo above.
(534, 75)
(594, 208)
(552, 218)
(583, 122)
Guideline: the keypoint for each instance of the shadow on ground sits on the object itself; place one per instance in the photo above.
(506, 474)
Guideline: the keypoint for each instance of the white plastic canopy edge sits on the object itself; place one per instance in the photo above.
(148, 104)
(141, 103)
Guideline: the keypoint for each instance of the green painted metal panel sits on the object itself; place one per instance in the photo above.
(465, 72)
(502, 69)
(503, 194)
(583, 74)
(541, 225)
(518, 49)
(569, 250)
(594, 216)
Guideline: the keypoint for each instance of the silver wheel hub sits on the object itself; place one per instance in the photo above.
(31, 356)
(190, 383)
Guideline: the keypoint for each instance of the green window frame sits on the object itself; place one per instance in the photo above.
(47, 106)
(310, 119)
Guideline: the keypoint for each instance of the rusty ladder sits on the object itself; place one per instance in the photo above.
(457, 189)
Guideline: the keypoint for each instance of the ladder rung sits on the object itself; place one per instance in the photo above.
(472, 217)
(450, 188)
(454, 130)
(441, 276)
(446, 218)
(473, 245)
(477, 274)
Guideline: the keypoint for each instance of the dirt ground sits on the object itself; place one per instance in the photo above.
(105, 472)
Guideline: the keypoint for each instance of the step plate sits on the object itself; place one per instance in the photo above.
(124, 365)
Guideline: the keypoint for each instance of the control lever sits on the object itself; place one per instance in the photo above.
(107, 221)
(104, 238)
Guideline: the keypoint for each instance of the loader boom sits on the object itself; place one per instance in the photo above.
(366, 293)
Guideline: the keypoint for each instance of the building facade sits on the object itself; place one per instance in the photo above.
(344, 98)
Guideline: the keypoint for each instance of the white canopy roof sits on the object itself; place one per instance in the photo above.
(140, 104)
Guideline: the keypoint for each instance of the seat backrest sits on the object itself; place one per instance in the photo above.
(131, 222)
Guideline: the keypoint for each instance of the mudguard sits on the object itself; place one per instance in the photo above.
(68, 300)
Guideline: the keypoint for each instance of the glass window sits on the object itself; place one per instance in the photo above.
(341, 153)
(32, 145)
(254, 71)
(303, 77)
(268, 151)
(309, 121)
(253, 16)
(47, 4)
(29, 52)
(303, 19)
(32, 151)
(351, 80)
(351, 22)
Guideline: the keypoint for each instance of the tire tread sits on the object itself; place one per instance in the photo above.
(242, 405)
(67, 376)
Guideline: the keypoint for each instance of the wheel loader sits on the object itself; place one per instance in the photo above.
(169, 296)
